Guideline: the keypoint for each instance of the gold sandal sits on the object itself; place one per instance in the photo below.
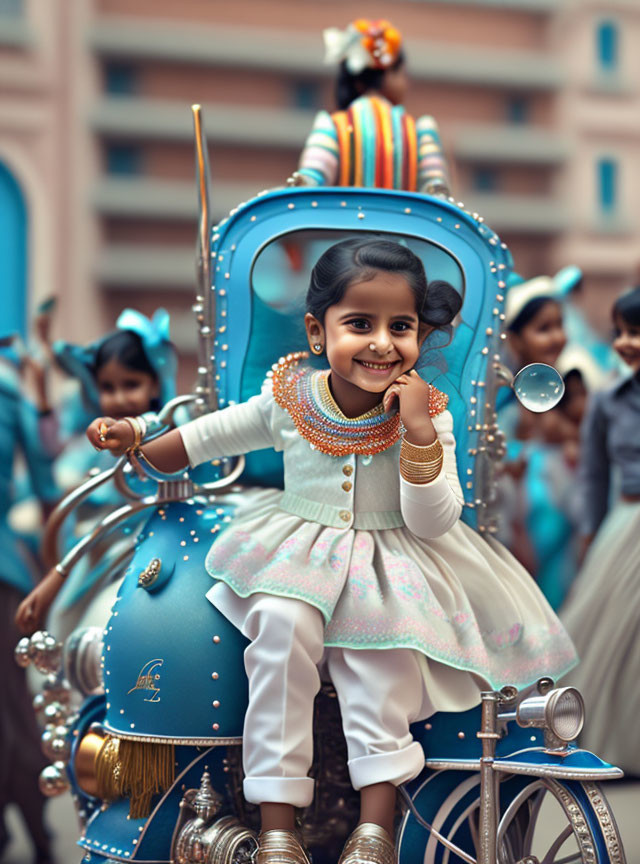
(280, 847)
(369, 844)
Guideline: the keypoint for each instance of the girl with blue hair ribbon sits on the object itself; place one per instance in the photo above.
(131, 371)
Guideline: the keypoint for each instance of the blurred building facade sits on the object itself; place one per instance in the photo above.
(538, 102)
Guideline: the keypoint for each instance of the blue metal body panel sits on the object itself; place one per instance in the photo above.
(162, 644)
(111, 834)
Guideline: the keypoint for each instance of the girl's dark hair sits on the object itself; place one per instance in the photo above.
(528, 312)
(350, 86)
(627, 307)
(437, 303)
(126, 348)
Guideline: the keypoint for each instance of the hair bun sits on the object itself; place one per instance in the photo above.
(442, 304)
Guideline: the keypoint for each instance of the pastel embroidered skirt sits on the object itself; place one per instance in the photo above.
(460, 600)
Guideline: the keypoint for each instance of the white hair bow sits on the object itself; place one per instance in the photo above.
(346, 45)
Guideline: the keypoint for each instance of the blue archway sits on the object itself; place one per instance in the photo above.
(13, 255)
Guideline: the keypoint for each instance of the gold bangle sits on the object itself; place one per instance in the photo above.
(425, 477)
(421, 454)
(138, 452)
(425, 465)
(435, 461)
(62, 573)
(138, 432)
(419, 478)
(432, 469)
(426, 470)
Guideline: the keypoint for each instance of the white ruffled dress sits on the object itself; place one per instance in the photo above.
(388, 563)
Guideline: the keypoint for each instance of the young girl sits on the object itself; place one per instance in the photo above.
(603, 611)
(371, 140)
(363, 562)
(129, 371)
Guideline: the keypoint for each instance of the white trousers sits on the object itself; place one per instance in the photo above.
(380, 693)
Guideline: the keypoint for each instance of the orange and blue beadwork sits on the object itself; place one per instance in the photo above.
(305, 395)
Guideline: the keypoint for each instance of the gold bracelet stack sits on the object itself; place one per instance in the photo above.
(420, 464)
(138, 427)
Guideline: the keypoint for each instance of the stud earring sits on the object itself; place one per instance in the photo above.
(372, 346)
(317, 348)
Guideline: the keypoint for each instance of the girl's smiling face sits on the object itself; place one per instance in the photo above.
(626, 341)
(124, 392)
(379, 312)
(542, 339)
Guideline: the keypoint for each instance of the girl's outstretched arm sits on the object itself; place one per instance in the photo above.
(230, 431)
(166, 453)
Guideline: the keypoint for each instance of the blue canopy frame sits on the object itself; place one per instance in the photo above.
(462, 369)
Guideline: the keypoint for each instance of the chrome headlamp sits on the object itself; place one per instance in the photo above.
(560, 712)
(83, 660)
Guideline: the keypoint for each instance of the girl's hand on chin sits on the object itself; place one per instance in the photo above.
(105, 433)
(412, 394)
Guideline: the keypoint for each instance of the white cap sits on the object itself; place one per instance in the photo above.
(552, 287)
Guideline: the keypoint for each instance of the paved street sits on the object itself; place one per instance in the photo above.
(624, 798)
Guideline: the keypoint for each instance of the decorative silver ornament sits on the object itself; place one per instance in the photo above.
(36, 642)
(46, 741)
(54, 714)
(53, 780)
(56, 689)
(39, 702)
(47, 652)
(61, 748)
(21, 652)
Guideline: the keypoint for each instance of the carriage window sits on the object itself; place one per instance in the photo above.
(281, 270)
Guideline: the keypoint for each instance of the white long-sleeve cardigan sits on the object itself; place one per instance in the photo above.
(354, 491)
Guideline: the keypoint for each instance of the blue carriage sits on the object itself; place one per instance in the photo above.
(166, 677)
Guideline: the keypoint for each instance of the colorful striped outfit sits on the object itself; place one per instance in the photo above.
(374, 143)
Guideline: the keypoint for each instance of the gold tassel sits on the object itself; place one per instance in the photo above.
(145, 770)
(136, 770)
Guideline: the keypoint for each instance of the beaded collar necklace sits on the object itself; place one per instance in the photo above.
(305, 395)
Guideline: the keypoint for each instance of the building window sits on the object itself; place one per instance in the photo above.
(518, 109)
(607, 179)
(485, 180)
(120, 79)
(124, 159)
(306, 94)
(607, 47)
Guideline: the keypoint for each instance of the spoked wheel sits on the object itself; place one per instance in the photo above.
(559, 822)
(542, 821)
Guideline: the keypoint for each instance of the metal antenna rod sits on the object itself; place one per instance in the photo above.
(204, 307)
